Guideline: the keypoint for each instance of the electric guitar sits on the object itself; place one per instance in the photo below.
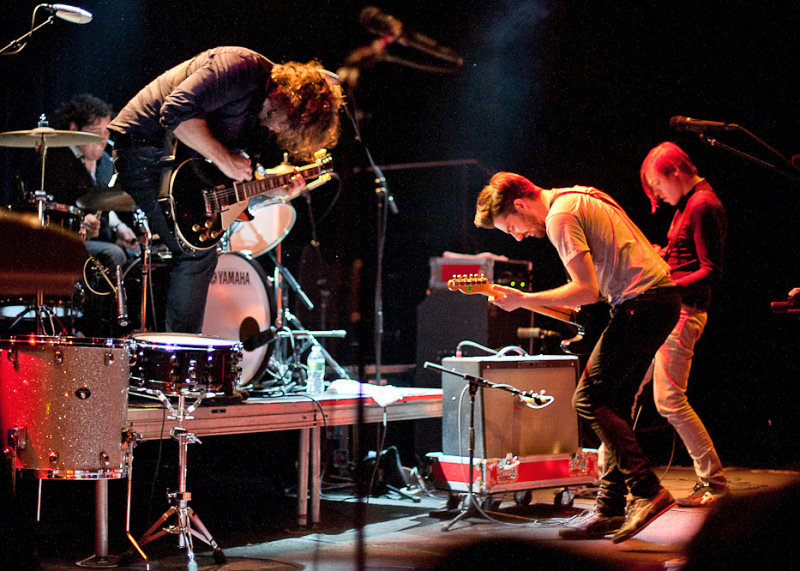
(586, 319)
(203, 203)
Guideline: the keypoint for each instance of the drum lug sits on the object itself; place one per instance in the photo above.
(53, 457)
(104, 459)
(18, 437)
(13, 356)
(58, 357)
(108, 359)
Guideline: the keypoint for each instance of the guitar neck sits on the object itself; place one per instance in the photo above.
(241, 191)
(469, 286)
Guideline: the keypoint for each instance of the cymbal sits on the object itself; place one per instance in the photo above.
(49, 136)
(34, 259)
(108, 200)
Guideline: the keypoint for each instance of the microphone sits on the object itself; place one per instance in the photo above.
(382, 24)
(535, 333)
(253, 342)
(122, 305)
(538, 399)
(699, 126)
(70, 13)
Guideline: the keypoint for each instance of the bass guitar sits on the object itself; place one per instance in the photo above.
(202, 202)
(586, 319)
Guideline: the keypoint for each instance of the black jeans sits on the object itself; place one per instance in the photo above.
(605, 392)
(140, 172)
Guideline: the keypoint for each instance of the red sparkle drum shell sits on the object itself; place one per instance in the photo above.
(174, 363)
(69, 397)
(239, 295)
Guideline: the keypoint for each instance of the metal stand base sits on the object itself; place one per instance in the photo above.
(188, 524)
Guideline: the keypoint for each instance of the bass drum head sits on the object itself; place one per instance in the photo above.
(239, 306)
(271, 223)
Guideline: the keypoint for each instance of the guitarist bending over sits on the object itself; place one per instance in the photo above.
(223, 101)
(605, 254)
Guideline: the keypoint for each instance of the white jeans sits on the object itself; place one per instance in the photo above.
(670, 374)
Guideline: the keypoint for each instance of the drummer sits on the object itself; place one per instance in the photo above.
(76, 171)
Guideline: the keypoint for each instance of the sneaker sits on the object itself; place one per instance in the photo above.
(642, 512)
(591, 525)
(703, 495)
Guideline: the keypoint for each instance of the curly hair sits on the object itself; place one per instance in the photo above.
(314, 104)
(498, 196)
(665, 159)
(83, 109)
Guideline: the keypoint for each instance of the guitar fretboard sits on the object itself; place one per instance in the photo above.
(218, 198)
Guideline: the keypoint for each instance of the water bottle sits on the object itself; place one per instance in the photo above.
(316, 371)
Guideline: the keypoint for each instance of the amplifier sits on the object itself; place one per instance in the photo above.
(503, 424)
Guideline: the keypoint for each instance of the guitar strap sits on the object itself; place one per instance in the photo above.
(170, 140)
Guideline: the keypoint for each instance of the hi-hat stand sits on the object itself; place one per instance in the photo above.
(469, 505)
(188, 523)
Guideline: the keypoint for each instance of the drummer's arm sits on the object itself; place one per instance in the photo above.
(123, 235)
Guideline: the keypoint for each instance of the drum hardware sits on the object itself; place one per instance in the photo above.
(116, 200)
(188, 523)
(286, 319)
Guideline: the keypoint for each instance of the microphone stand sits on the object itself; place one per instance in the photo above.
(24, 38)
(795, 175)
(469, 506)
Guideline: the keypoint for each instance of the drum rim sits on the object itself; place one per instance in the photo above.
(44, 340)
(139, 339)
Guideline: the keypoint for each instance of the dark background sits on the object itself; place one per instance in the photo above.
(563, 92)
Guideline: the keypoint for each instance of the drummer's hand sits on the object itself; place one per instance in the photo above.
(125, 238)
(91, 225)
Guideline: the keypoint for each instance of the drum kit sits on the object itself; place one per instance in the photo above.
(64, 398)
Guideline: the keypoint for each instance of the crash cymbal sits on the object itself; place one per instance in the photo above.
(49, 136)
(34, 259)
(108, 200)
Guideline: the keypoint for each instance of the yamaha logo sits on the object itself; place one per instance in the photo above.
(231, 277)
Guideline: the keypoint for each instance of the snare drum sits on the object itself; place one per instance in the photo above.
(57, 214)
(66, 399)
(178, 363)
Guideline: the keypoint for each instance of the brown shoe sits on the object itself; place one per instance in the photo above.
(642, 512)
(591, 525)
(703, 495)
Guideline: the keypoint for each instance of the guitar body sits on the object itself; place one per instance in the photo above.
(203, 203)
(194, 228)
(591, 321)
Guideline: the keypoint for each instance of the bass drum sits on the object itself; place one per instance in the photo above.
(239, 306)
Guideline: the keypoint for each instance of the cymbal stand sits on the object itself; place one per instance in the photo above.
(145, 241)
(285, 317)
(180, 498)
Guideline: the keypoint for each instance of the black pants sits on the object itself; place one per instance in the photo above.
(140, 175)
(605, 392)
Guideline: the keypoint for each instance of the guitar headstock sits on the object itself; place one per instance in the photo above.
(324, 159)
(470, 283)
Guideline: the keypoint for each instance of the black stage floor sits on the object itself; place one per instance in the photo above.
(256, 527)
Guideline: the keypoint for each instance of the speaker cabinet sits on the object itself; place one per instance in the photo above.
(503, 424)
(445, 318)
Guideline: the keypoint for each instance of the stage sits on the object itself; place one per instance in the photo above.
(401, 534)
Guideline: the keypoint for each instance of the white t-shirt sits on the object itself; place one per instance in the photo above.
(585, 219)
